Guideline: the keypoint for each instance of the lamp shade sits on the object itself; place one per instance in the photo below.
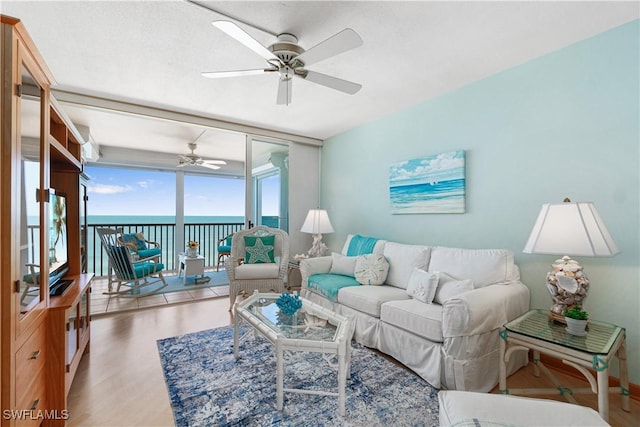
(570, 229)
(317, 222)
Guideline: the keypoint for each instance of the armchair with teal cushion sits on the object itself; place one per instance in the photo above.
(138, 244)
(224, 249)
(133, 275)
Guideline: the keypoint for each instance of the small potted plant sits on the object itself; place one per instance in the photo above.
(576, 319)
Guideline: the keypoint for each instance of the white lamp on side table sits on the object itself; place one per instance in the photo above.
(316, 223)
(569, 228)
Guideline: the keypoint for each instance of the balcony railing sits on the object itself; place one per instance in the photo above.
(207, 234)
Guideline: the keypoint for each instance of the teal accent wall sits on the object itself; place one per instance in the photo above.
(562, 125)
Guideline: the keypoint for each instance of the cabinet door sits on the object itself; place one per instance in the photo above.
(33, 272)
(73, 324)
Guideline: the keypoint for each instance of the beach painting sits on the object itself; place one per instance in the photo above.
(431, 184)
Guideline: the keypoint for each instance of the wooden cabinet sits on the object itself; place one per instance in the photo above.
(39, 151)
(69, 326)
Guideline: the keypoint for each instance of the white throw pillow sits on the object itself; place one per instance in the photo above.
(484, 266)
(371, 269)
(449, 287)
(341, 264)
(422, 285)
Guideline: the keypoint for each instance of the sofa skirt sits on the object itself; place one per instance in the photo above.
(418, 354)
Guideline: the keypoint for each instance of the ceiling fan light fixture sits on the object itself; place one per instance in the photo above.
(289, 59)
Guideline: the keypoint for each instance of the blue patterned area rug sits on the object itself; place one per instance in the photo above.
(208, 387)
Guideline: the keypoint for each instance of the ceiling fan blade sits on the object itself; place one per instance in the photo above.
(214, 162)
(284, 92)
(329, 81)
(237, 73)
(206, 165)
(243, 37)
(343, 41)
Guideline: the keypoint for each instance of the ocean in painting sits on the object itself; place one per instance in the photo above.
(432, 184)
(440, 197)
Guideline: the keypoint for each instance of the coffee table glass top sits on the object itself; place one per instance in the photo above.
(536, 323)
(310, 322)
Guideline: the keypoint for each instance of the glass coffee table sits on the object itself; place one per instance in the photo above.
(603, 341)
(312, 328)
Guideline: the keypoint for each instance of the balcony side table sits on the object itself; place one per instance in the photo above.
(533, 330)
(190, 266)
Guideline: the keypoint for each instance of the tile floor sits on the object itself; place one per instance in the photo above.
(104, 304)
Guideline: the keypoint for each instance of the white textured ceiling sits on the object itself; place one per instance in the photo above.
(152, 53)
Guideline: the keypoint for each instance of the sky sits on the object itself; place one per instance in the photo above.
(439, 167)
(119, 191)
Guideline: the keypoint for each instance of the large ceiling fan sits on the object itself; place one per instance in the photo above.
(192, 159)
(289, 60)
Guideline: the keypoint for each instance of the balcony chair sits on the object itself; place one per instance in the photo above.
(31, 284)
(224, 249)
(132, 274)
(258, 261)
(137, 244)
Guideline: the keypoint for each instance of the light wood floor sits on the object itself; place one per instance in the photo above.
(120, 382)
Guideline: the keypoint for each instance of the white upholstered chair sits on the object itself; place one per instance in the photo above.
(245, 274)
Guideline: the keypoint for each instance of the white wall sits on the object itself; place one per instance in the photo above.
(563, 125)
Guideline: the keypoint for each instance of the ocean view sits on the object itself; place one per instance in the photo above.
(161, 229)
(160, 219)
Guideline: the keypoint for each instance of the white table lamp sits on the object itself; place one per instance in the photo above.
(316, 223)
(569, 229)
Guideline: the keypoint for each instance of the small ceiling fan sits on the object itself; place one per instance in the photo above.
(192, 159)
(289, 60)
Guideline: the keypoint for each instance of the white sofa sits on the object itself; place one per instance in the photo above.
(453, 345)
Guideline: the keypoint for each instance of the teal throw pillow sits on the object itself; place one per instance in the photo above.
(259, 249)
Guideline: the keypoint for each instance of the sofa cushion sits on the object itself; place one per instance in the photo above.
(402, 260)
(328, 285)
(360, 243)
(341, 264)
(483, 266)
(424, 320)
(263, 270)
(422, 285)
(368, 299)
(371, 269)
(449, 287)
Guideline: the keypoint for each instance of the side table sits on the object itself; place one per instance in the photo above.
(294, 278)
(190, 266)
(533, 330)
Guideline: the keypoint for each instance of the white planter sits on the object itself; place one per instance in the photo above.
(576, 327)
(192, 252)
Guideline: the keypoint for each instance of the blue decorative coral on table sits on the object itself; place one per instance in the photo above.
(289, 303)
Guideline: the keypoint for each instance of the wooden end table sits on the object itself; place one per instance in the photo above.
(533, 330)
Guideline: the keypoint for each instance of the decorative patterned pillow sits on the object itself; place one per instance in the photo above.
(449, 287)
(423, 285)
(259, 249)
(371, 269)
(135, 241)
